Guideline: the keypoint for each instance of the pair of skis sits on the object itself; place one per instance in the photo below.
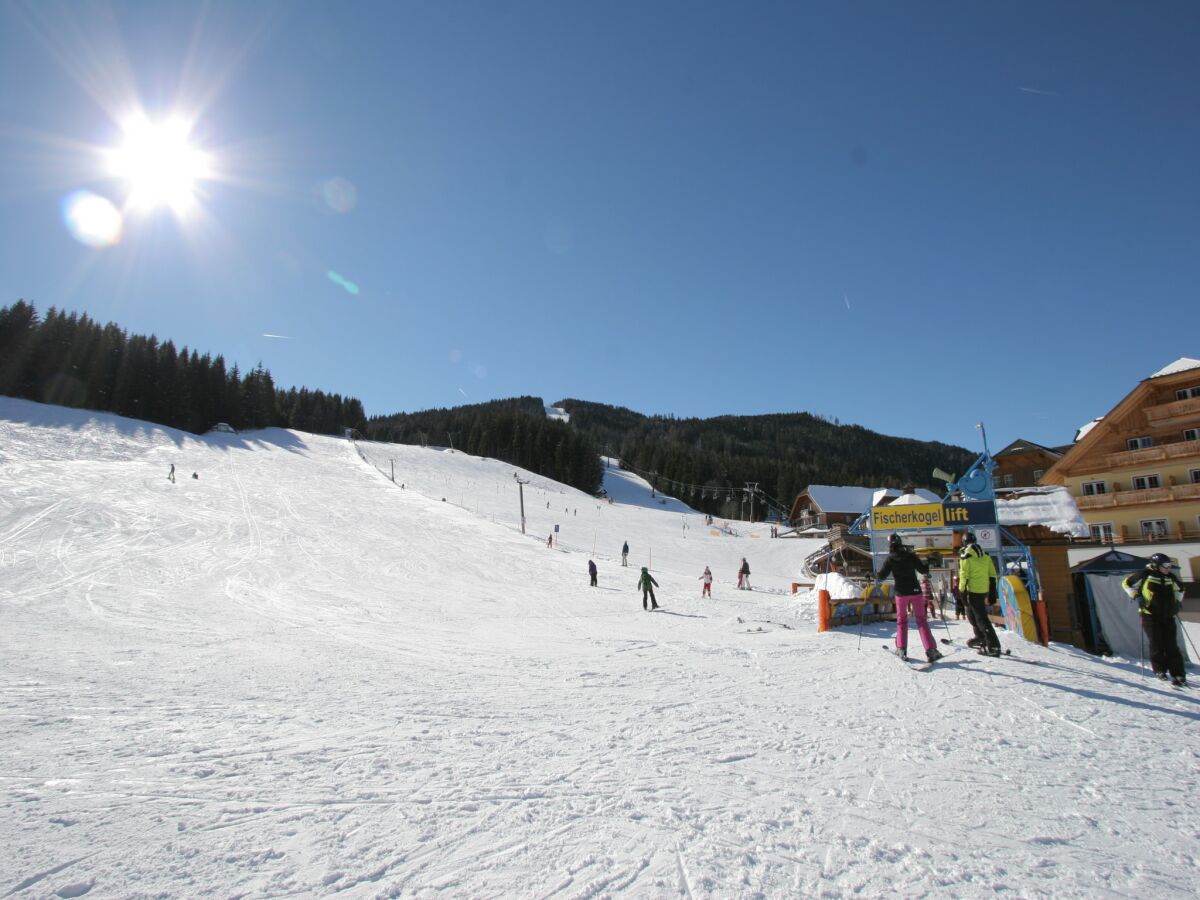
(914, 662)
(921, 665)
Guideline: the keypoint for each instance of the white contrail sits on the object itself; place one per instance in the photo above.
(1029, 90)
(282, 337)
(847, 299)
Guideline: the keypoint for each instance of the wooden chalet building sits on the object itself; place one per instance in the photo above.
(1135, 472)
(1023, 463)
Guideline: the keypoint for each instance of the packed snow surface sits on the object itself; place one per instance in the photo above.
(294, 676)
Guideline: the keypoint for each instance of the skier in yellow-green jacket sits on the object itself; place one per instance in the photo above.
(976, 580)
(1158, 589)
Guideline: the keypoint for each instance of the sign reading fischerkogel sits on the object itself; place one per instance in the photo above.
(933, 515)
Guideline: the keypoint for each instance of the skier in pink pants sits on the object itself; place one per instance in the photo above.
(903, 565)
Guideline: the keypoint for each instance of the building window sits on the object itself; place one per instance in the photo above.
(1146, 482)
(1154, 528)
(1037, 474)
(1008, 480)
(1102, 532)
(1187, 393)
(1191, 434)
(1139, 443)
(1091, 488)
(1194, 475)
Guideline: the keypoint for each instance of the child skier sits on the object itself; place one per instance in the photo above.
(706, 591)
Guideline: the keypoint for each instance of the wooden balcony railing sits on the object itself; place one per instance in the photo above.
(1175, 451)
(1140, 498)
(1180, 534)
(1164, 413)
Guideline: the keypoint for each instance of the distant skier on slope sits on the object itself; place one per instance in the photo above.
(625, 554)
(171, 474)
(976, 579)
(647, 584)
(706, 577)
(1158, 589)
(744, 576)
(592, 571)
(903, 565)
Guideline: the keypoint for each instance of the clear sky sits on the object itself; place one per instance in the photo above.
(910, 216)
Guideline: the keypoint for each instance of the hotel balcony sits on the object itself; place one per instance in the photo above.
(1177, 412)
(1176, 451)
(1116, 499)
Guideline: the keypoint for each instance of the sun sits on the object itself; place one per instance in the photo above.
(159, 164)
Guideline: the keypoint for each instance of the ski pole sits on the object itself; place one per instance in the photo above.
(862, 615)
(1142, 647)
(1188, 636)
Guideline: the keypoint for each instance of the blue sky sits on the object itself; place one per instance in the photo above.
(909, 216)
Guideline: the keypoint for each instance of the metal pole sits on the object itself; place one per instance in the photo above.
(521, 490)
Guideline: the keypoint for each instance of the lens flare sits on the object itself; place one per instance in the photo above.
(92, 220)
(344, 283)
(339, 194)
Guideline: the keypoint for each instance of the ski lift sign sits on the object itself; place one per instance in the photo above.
(988, 537)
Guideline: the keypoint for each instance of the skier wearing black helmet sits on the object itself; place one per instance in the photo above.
(903, 565)
(1158, 589)
(976, 577)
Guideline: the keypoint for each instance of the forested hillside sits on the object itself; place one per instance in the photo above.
(70, 360)
(515, 430)
(708, 462)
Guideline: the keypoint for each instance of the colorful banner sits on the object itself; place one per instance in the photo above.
(1018, 610)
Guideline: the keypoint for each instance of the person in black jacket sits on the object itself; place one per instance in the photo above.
(592, 571)
(1157, 589)
(903, 565)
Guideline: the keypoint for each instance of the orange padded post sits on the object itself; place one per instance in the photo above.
(822, 610)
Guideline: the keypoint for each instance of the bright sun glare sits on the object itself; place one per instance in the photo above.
(160, 165)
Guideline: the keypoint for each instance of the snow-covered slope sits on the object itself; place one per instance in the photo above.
(292, 676)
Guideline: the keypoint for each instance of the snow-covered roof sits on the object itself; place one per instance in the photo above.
(1084, 429)
(1180, 365)
(918, 497)
(1051, 507)
(859, 499)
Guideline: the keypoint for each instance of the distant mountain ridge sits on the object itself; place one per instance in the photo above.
(705, 462)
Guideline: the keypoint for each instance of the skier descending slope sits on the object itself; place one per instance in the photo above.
(647, 584)
(903, 565)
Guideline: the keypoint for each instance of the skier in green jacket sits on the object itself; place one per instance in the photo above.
(976, 576)
(647, 584)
